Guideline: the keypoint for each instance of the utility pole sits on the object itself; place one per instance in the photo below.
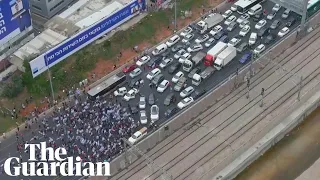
(175, 15)
(262, 96)
(50, 79)
(248, 87)
(300, 88)
(236, 79)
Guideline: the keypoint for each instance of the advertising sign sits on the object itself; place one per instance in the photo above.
(85, 37)
(14, 18)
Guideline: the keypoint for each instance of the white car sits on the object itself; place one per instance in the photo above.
(234, 42)
(142, 102)
(138, 135)
(259, 49)
(272, 15)
(276, 7)
(120, 92)
(195, 48)
(244, 31)
(215, 30)
(285, 14)
(209, 42)
(185, 102)
(153, 73)
(230, 19)
(202, 39)
(177, 76)
(173, 40)
(186, 31)
(260, 24)
(143, 60)
(136, 72)
(233, 7)
(242, 18)
(253, 38)
(284, 31)
(163, 86)
(143, 117)
(186, 92)
(154, 113)
(179, 53)
(244, 23)
(187, 38)
(131, 94)
(227, 13)
(164, 63)
(184, 57)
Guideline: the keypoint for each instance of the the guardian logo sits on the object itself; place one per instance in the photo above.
(53, 164)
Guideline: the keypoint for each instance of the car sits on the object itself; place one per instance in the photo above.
(242, 47)
(215, 30)
(246, 57)
(151, 99)
(143, 60)
(209, 42)
(177, 76)
(120, 92)
(135, 82)
(272, 15)
(153, 73)
(173, 40)
(284, 31)
(142, 102)
(174, 68)
(169, 99)
(234, 42)
(219, 35)
(158, 79)
(131, 94)
(227, 14)
(231, 26)
(185, 102)
(244, 23)
(136, 72)
(285, 14)
(154, 113)
(186, 31)
(257, 17)
(260, 24)
(230, 19)
(194, 71)
(129, 68)
(165, 54)
(242, 18)
(253, 38)
(138, 135)
(178, 47)
(143, 117)
(187, 38)
(244, 31)
(291, 21)
(179, 53)
(163, 86)
(159, 49)
(186, 92)
(202, 39)
(166, 62)
(184, 57)
(224, 39)
(264, 32)
(276, 7)
(233, 7)
(275, 24)
(170, 112)
(133, 109)
(154, 62)
(259, 49)
(195, 48)
(269, 39)
(198, 93)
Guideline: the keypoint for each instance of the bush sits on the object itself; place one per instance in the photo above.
(14, 88)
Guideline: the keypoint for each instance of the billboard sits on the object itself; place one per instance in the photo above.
(14, 18)
(85, 37)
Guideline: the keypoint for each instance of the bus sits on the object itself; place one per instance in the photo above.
(106, 86)
(313, 7)
(244, 5)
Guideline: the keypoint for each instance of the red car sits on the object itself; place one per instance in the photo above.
(129, 68)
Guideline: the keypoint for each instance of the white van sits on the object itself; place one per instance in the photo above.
(173, 40)
(257, 9)
(159, 49)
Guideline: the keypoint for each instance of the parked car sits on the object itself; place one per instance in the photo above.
(257, 17)
(136, 72)
(285, 14)
(158, 79)
(174, 68)
(186, 31)
(242, 18)
(154, 62)
(185, 102)
(234, 42)
(227, 13)
(184, 57)
(173, 40)
(177, 76)
(246, 57)
(169, 99)
(215, 30)
(232, 26)
(195, 48)
(143, 117)
(163, 86)
(219, 35)
(194, 71)
(259, 49)
(284, 31)
(202, 39)
(291, 21)
(244, 23)
(138, 135)
(242, 47)
(179, 53)
(224, 39)
(131, 94)
(209, 42)
(159, 49)
(269, 39)
(260, 24)
(178, 47)
(264, 32)
(153, 73)
(253, 38)
(170, 112)
(143, 60)
(120, 92)
(142, 102)
(151, 99)
(154, 113)
(198, 93)
(276, 7)
(244, 31)
(272, 15)
(275, 24)
(129, 68)
(166, 62)
(135, 82)
(187, 38)
(186, 92)
(230, 19)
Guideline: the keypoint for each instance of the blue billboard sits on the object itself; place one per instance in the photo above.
(85, 37)
(14, 18)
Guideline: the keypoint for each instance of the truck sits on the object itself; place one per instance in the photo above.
(211, 20)
(213, 52)
(225, 57)
(205, 74)
(180, 84)
(189, 64)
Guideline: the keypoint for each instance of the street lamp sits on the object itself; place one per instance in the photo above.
(50, 79)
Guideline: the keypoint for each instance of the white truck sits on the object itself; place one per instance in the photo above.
(195, 60)
(210, 21)
(213, 53)
(225, 57)
(198, 78)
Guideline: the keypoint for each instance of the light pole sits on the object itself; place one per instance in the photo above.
(175, 15)
(50, 79)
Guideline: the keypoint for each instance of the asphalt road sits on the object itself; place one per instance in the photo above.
(8, 147)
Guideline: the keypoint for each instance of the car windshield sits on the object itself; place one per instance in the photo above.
(154, 111)
(284, 30)
(261, 23)
(259, 48)
(185, 100)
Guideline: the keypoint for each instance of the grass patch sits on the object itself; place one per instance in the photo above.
(7, 123)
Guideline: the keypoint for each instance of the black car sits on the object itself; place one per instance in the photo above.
(269, 39)
(264, 31)
(198, 93)
(151, 99)
(169, 99)
(173, 68)
(257, 17)
(154, 62)
(133, 109)
(158, 79)
(219, 34)
(134, 82)
(165, 54)
(224, 39)
(170, 112)
(291, 22)
(196, 70)
(275, 24)
(178, 47)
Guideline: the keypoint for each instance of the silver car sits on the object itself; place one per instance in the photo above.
(143, 117)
